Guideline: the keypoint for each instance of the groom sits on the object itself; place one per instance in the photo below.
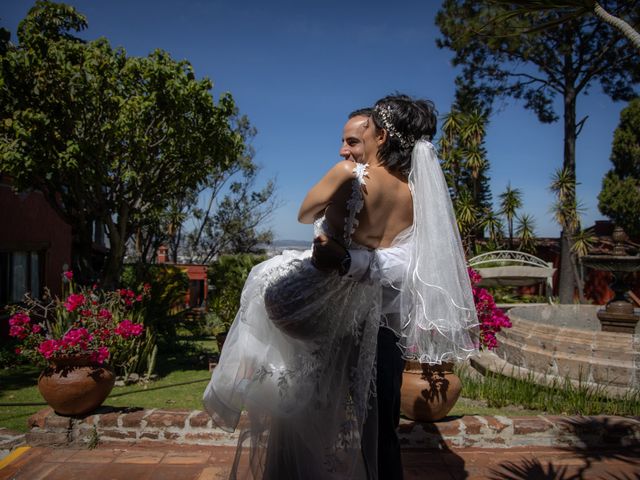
(354, 264)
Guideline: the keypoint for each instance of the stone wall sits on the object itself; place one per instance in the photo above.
(195, 427)
(548, 342)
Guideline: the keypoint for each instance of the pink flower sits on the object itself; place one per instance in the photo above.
(17, 351)
(492, 319)
(91, 328)
(79, 337)
(474, 276)
(18, 331)
(19, 319)
(126, 293)
(74, 301)
(19, 325)
(48, 348)
(104, 334)
(127, 329)
(100, 355)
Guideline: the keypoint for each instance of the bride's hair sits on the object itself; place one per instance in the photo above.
(406, 120)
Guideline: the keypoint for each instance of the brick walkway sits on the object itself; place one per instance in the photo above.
(176, 462)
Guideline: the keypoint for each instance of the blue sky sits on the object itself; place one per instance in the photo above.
(298, 68)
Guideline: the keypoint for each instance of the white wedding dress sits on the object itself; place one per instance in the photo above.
(300, 355)
(300, 359)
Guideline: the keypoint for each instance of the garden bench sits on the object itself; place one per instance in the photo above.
(512, 268)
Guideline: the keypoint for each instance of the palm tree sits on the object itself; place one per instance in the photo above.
(583, 241)
(449, 151)
(510, 202)
(572, 9)
(567, 211)
(492, 224)
(526, 233)
(466, 216)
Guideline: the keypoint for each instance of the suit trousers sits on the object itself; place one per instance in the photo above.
(388, 382)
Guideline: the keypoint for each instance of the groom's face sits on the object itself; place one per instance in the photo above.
(352, 147)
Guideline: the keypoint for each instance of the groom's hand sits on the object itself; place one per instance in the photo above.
(328, 255)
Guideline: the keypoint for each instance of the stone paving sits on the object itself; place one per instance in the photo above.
(9, 440)
(184, 462)
(175, 444)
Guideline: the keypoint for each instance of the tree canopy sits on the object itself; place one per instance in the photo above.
(108, 138)
(532, 56)
(620, 195)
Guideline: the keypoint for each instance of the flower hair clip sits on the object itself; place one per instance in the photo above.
(385, 115)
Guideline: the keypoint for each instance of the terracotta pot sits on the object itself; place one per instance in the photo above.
(74, 385)
(428, 392)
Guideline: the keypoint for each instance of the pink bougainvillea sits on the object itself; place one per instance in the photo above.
(49, 347)
(492, 319)
(73, 301)
(128, 329)
(86, 322)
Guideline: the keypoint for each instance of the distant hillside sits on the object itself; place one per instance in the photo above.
(304, 244)
(279, 245)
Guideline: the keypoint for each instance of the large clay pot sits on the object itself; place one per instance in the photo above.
(74, 385)
(428, 392)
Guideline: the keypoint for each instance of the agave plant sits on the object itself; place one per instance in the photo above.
(525, 231)
(510, 202)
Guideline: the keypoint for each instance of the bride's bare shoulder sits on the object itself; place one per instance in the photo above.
(344, 168)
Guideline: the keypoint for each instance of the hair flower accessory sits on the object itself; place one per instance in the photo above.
(386, 113)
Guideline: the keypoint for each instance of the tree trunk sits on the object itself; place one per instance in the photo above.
(578, 280)
(118, 236)
(566, 287)
(82, 261)
(113, 264)
(567, 280)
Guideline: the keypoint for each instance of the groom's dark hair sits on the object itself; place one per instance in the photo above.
(361, 112)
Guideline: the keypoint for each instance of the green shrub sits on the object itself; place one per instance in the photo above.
(165, 304)
(227, 276)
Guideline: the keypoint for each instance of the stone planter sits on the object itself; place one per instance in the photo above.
(74, 385)
(429, 392)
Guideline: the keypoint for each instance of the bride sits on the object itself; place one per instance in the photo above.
(300, 355)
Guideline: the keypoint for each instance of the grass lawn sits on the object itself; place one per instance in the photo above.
(183, 376)
(19, 386)
(186, 363)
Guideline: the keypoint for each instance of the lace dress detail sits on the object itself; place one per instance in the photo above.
(299, 358)
(355, 202)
